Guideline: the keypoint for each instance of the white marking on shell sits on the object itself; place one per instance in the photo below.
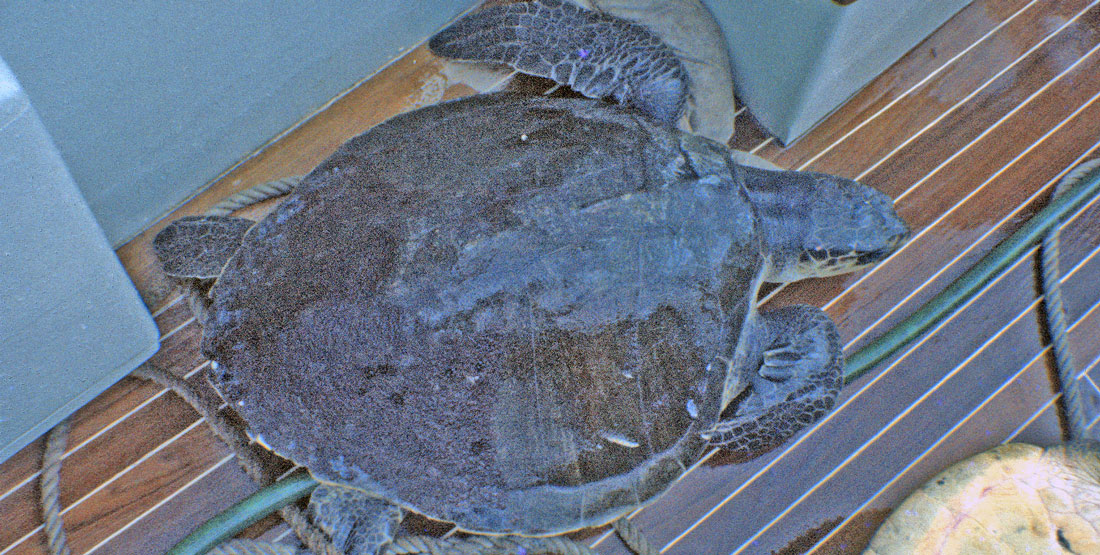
(693, 411)
(620, 440)
(473, 379)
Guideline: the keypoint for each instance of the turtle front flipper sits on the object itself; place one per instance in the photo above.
(198, 247)
(356, 522)
(596, 54)
(792, 381)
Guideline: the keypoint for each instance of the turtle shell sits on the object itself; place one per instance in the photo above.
(500, 311)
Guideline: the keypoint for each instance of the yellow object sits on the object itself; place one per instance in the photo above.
(1014, 498)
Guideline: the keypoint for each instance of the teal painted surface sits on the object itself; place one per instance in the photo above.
(795, 61)
(71, 322)
(147, 100)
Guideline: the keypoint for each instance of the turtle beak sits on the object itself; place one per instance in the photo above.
(862, 230)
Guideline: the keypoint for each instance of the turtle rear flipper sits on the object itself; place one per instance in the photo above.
(797, 380)
(356, 522)
(198, 247)
(596, 54)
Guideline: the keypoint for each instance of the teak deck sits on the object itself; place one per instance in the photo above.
(969, 132)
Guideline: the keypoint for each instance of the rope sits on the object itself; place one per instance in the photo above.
(968, 285)
(251, 457)
(249, 547)
(253, 195)
(632, 536)
(244, 513)
(1055, 317)
(49, 486)
(486, 545)
(253, 460)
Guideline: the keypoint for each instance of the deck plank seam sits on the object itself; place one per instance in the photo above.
(981, 87)
(1043, 190)
(945, 436)
(160, 503)
(100, 487)
(897, 418)
(886, 370)
(954, 59)
(754, 150)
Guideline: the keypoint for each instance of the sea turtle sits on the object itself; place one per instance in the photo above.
(523, 314)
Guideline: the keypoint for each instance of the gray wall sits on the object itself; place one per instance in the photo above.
(149, 100)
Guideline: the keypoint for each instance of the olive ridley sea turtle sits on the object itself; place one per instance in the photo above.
(524, 314)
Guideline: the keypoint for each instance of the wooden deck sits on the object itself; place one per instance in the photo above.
(969, 132)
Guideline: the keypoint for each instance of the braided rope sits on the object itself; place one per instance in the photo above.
(1055, 316)
(417, 545)
(49, 489)
(250, 547)
(254, 194)
(486, 545)
(251, 457)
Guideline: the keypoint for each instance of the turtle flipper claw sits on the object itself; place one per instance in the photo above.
(596, 54)
(357, 523)
(799, 377)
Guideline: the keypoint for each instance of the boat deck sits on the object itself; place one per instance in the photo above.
(969, 132)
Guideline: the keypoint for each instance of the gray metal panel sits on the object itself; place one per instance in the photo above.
(796, 61)
(71, 322)
(147, 101)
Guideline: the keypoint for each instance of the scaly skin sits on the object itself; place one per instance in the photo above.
(595, 54)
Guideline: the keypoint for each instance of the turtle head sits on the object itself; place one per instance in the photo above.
(817, 225)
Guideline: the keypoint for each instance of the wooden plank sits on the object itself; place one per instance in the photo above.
(91, 418)
(892, 281)
(1070, 142)
(907, 117)
(935, 53)
(863, 459)
(168, 523)
(160, 474)
(995, 419)
(1003, 193)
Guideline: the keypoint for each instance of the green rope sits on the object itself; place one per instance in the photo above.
(966, 286)
(244, 514)
(233, 520)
